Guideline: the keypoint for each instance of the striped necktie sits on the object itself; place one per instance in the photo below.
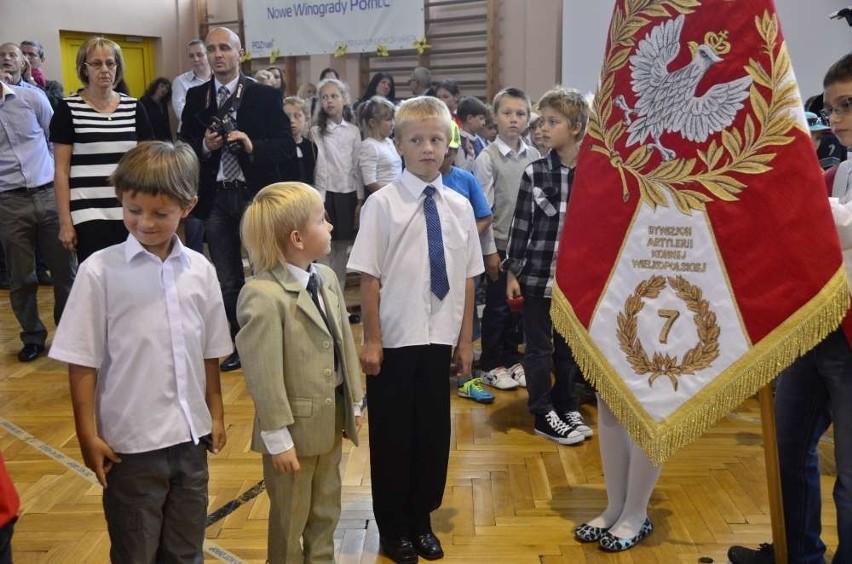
(230, 164)
(437, 263)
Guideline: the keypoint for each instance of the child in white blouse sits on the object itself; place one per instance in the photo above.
(378, 159)
(337, 176)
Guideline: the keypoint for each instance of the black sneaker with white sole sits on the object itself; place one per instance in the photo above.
(575, 421)
(551, 426)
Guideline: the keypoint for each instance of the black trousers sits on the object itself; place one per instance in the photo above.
(409, 437)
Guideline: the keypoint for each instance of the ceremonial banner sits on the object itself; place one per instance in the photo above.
(307, 27)
(699, 257)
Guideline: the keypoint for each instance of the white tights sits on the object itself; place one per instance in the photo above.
(629, 475)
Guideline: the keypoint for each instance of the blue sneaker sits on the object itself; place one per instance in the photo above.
(472, 389)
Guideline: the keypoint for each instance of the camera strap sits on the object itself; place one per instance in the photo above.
(233, 102)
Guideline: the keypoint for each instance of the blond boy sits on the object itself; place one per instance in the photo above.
(301, 368)
(417, 252)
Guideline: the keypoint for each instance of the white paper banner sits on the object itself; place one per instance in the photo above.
(309, 27)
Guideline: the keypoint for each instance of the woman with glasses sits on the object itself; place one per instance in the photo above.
(91, 130)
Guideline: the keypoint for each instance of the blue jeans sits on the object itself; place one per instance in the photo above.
(222, 228)
(813, 392)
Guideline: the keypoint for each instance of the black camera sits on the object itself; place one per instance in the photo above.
(223, 126)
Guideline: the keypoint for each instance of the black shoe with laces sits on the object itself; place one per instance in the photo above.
(765, 554)
(551, 426)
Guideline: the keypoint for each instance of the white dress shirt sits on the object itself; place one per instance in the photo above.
(180, 85)
(146, 325)
(392, 246)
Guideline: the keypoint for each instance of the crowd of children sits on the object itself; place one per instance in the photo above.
(430, 210)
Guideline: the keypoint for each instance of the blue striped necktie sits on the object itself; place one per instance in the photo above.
(437, 263)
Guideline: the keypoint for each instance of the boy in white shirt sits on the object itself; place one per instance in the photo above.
(418, 252)
(142, 334)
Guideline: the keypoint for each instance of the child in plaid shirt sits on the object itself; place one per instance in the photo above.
(531, 263)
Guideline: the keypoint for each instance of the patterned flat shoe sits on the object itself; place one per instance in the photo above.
(588, 533)
(612, 543)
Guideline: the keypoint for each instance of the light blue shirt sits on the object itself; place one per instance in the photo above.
(26, 160)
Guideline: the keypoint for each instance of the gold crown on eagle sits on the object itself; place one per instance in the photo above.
(716, 41)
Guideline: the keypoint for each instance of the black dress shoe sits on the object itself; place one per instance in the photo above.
(231, 363)
(400, 550)
(428, 546)
(30, 352)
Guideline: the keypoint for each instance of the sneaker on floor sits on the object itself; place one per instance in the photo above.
(518, 374)
(551, 426)
(472, 389)
(575, 420)
(500, 378)
(742, 555)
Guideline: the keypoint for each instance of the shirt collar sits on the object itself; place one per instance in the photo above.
(134, 248)
(231, 86)
(554, 161)
(506, 150)
(414, 186)
(331, 125)
(301, 276)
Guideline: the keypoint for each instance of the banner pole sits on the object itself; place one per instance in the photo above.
(773, 473)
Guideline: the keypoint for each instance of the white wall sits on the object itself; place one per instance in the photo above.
(813, 40)
(173, 22)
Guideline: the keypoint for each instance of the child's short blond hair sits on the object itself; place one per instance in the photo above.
(570, 103)
(298, 102)
(274, 213)
(158, 168)
(422, 108)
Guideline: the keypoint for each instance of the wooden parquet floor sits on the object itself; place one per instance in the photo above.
(511, 497)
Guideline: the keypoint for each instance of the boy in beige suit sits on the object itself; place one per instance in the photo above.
(301, 368)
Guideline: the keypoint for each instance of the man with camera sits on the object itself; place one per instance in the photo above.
(242, 138)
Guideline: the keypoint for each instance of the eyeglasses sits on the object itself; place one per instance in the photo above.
(844, 107)
(101, 64)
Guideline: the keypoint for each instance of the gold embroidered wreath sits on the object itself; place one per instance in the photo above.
(697, 358)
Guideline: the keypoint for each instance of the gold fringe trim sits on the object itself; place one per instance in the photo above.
(760, 365)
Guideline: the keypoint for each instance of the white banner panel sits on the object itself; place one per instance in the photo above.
(311, 27)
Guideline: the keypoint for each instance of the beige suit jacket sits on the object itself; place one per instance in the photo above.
(287, 356)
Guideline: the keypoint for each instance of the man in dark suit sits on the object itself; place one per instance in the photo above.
(257, 151)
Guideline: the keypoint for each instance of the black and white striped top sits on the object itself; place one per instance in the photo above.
(99, 140)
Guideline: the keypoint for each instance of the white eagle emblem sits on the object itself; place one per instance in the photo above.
(666, 101)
